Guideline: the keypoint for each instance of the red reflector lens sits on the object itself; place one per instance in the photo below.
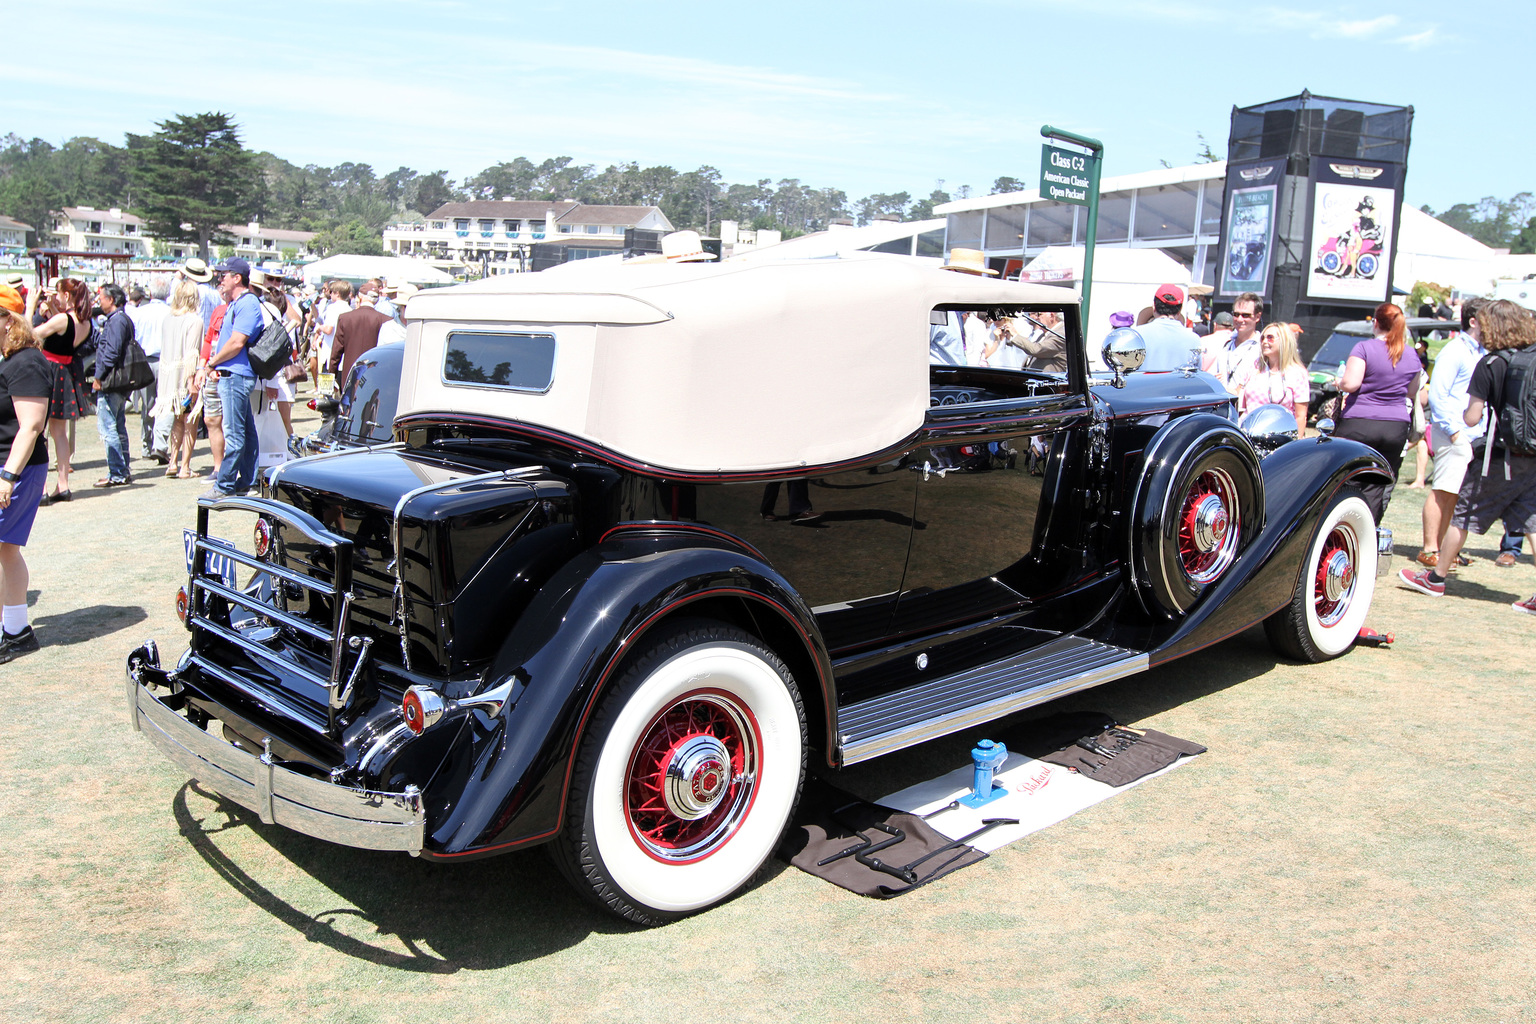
(311, 404)
(410, 710)
(182, 605)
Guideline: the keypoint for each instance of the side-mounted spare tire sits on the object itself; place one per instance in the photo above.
(1199, 503)
(1335, 586)
(687, 775)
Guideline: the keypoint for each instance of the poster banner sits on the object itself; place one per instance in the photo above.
(1351, 230)
(1252, 194)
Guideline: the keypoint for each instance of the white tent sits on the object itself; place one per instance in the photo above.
(387, 268)
(1428, 250)
(1123, 279)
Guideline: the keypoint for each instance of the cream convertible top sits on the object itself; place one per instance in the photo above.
(711, 368)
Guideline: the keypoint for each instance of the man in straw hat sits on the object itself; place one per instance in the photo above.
(962, 335)
(198, 272)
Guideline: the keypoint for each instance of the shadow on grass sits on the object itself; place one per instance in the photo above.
(481, 915)
(83, 624)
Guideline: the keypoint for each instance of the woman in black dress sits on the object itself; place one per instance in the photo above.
(64, 325)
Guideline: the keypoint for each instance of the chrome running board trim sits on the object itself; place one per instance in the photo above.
(947, 704)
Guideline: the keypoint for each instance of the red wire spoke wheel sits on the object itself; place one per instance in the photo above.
(1210, 527)
(692, 777)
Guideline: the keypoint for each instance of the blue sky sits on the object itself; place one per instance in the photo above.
(867, 97)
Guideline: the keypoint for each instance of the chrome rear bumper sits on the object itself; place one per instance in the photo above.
(365, 819)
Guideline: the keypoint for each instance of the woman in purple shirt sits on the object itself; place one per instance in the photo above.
(1381, 378)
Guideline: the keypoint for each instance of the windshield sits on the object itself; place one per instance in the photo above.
(1334, 351)
(367, 411)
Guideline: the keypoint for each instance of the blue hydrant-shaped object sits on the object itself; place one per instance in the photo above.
(986, 758)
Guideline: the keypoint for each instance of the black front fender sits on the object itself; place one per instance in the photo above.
(1300, 478)
(572, 641)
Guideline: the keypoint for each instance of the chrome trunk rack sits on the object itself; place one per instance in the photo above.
(337, 591)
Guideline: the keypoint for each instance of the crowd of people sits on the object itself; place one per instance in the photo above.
(183, 340)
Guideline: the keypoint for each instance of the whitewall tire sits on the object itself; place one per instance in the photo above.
(1334, 590)
(687, 776)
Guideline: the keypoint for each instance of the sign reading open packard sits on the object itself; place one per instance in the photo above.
(1067, 176)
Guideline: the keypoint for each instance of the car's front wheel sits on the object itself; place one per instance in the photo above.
(1333, 593)
(686, 777)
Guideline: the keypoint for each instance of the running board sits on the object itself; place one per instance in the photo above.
(941, 706)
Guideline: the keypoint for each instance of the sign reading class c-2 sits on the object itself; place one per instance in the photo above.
(1067, 176)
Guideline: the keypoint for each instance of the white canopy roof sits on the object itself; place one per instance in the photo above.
(388, 268)
(708, 368)
(841, 241)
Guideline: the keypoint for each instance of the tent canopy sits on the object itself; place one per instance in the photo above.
(388, 268)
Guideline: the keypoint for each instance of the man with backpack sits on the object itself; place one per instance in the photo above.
(1500, 482)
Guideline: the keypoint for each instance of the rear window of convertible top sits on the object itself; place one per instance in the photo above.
(522, 362)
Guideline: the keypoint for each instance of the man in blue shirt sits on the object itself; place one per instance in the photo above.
(1170, 345)
(236, 380)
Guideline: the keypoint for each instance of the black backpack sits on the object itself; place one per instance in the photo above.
(1517, 412)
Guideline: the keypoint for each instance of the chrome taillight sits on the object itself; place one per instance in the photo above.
(421, 708)
(263, 537)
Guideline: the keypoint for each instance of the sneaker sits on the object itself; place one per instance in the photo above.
(1418, 579)
(212, 494)
(14, 645)
(114, 481)
(1528, 605)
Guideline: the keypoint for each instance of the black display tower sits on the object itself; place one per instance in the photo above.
(1313, 165)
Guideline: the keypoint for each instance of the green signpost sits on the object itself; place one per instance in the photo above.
(1071, 176)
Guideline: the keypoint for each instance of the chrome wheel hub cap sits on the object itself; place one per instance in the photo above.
(1338, 575)
(1210, 523)
(698, 774)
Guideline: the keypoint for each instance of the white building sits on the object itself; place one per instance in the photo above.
(13, 235)
(87, 229)
(503, 230)
(260, 244)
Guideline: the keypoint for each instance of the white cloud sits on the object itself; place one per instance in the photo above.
(1419, 40)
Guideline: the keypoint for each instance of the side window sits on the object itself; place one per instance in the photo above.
(520, 362)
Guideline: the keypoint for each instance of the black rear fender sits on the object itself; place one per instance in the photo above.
(573, 640)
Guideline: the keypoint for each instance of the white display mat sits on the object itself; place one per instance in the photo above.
(1039, 795)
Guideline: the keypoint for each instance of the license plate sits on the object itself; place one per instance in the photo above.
(221, 564)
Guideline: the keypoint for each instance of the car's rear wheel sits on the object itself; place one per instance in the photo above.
(687, 776)
(1334, 590)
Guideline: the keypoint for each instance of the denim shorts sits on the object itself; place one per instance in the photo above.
(16, 518)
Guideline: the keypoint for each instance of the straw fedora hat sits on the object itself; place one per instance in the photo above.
(684, 247)
(197, 270)
(969, 261)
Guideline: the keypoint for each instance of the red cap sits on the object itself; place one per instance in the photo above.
(1170, 293)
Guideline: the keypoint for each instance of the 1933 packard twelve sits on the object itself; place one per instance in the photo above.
(565, 604)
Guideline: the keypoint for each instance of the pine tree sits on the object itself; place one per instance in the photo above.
(193, 176)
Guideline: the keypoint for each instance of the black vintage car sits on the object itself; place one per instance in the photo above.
(649, 536)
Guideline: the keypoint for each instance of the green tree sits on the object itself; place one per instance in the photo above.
(1204, 155)
(1007, 184)
(353, 236)
(1525, 241)
(193, 172)
(433, 190)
